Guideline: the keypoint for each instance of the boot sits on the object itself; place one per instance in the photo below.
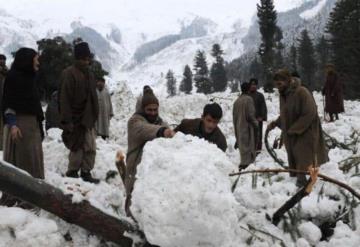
(72, 174)
(87, 177)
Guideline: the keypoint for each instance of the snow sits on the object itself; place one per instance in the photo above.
(310, 232)
(311, 13)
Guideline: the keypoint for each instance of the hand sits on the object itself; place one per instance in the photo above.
(15, 133)
(169, 133)
(271, 126)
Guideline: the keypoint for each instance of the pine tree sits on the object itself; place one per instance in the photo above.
(171, 83)
(323, 56)
(186, 83)
(217, 71)
(293, 57)
(267, 22)
(343, 27)
(279, 46)
(255, 69)
(201, 77)
(306, 60)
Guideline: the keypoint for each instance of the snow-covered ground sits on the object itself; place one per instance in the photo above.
(183, 195)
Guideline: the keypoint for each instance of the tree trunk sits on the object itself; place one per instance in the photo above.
(39, 193)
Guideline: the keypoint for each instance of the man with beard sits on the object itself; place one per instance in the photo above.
(300, 125)
(260, 111)
(206, 127)
(79, 111)
(245, 126)
(145, 125)
(3, 72)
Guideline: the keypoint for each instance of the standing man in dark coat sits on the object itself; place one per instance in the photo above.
(206, 127)
(333, 91)
(260, 111)
(3, 72)
(300, 125)
(79, 111)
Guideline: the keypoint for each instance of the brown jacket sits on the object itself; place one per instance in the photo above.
(194, 127)
(245, 125)
(301, 128)
(333, 91)
(140, 131)
(78, 98)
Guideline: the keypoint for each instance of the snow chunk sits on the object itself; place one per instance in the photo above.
(310, 232)
(311, 13)
(182, 196)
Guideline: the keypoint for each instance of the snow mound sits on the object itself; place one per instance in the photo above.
(182, 196)
(310, 232)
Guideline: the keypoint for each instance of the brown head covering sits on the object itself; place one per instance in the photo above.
(282, 75)
(148, 97)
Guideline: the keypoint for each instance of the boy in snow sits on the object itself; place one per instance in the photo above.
(245, 126)
(260, 110)
(79, 110)
(206, 127)
(105, 109)
(300, 125)
(145, 125)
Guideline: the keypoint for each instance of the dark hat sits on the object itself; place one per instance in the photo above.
(295, 74)
(282, 75)
(245, 87)
(148, 97)
(82, 51)
(2, 57)
(24, 60)
(254, 81)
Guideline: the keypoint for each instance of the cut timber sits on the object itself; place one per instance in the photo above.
(43, 195)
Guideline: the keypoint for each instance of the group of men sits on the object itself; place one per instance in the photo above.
(83, 107)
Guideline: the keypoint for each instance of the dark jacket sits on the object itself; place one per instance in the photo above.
(194, 127)
(333, 91)
(260, 105)
(52, 114)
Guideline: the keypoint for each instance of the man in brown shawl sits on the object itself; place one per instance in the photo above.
(79, 111)
(300, 125)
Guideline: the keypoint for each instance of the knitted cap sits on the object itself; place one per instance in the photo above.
(82, 51)
(148, 97)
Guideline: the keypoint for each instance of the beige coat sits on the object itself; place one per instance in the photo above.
(105, 113)
(245, 125)
(140, 131)
(301, 128)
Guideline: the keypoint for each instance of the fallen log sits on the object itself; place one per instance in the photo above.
(37, 192)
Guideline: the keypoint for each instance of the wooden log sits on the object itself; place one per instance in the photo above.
(37, 192)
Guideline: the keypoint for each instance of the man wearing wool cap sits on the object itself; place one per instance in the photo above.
(144, 125)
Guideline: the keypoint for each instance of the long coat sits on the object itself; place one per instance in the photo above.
(333, 91)
(245, 125)
(105, 112)
(301, 128)
(140, 131)
(194, 127)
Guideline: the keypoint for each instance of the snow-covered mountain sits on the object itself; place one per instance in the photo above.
(139, 42)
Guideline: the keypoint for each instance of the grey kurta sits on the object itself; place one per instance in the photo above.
(245, 125)
(105, 113)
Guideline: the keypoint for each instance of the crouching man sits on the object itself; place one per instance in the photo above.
(206, 127)
(145, 125)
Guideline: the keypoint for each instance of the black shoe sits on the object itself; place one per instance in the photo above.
(72, 174)
(86, 176)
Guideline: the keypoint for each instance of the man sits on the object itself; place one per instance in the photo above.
(3, 72)
(300, 125)
(145, 125)
(245, 126)
(260, 111)
(333, 92)
(206, 127)
(79, 111)
(52, 114)
(105, 109)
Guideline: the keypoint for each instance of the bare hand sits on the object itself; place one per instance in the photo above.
(169, 133)
(15, 133)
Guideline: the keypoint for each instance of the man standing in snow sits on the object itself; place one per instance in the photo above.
(206, 127)
(79, 110)
(145, 125)
(3, 72)
(105, 110)
(245, 126)
(300, 125)
(260, 110)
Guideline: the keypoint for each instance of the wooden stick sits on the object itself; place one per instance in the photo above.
(323, 177)
(271, 151)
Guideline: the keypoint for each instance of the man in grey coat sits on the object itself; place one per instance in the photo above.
(105, 110)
